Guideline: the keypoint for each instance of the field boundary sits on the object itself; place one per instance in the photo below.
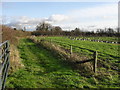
(81, 47)
(94, 59)
(93, 40)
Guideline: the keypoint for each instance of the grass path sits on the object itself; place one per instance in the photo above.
(43, 70)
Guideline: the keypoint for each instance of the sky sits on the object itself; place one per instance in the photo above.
(68, 15)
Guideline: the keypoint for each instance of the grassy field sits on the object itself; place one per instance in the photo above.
(42, 69)
(108, 55)
(106, 52)
(106, 48)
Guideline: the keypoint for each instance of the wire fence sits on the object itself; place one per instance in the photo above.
(99, 59)
(96, 56)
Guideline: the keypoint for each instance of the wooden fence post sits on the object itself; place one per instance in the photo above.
(95, 61)
(50, 40)
(70, 49)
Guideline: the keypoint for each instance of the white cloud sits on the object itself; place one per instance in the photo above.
(24, 21)
(57, 18)
(31, 23)
(98, 11)
(98, 16)
(108, 11)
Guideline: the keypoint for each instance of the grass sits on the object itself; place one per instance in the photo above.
(104, 49)
(43, 70)
(108, 57)
(106, 52)
(107, 48)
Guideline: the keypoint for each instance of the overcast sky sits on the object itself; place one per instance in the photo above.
(68, 15)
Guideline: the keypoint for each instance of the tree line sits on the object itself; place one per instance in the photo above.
(47, 29)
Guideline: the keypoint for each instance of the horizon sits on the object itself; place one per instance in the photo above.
(67, 15)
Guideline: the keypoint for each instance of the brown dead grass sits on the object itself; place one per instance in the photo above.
(15, 62)
(13, 36)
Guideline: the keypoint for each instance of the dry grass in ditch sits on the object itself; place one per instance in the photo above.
(85, 69)
(15, 62)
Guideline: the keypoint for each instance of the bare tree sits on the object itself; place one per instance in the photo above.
(44, 27)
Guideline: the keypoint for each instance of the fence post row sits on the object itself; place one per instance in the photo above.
(4, 63)
(94, 59)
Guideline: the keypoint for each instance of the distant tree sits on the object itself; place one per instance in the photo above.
(110, 30)
(14, 28)
(77, 31)
(57, 30)
(43, 27)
